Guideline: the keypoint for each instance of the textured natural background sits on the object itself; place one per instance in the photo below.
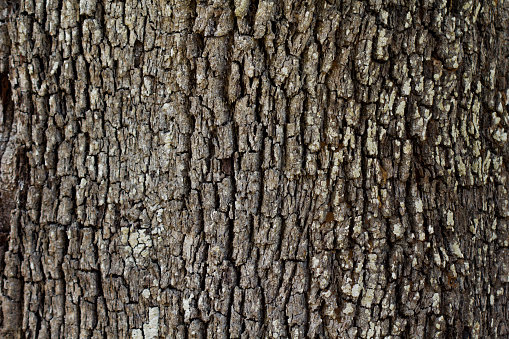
(253, 169)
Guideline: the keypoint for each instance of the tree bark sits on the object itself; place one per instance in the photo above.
(254, 169)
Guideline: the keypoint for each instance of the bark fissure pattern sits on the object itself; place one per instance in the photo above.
(254, 168)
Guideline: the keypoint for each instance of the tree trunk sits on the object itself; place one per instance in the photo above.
(254, 169)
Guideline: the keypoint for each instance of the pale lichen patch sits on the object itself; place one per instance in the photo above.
(368, 297)
(450, 219)
(348, 309)
(137, 334)
(356, 290)
(418, 205)
(455, 248)
(151, 329)
(397, 229)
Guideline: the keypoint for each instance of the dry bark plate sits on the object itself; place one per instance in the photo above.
(254, 169)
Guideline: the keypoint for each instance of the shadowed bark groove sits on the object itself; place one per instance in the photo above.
(254, 169)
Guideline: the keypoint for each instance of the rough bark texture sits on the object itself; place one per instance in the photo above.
(248, 169)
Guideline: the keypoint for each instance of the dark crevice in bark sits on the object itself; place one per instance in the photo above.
(7, 111)
(7, 196)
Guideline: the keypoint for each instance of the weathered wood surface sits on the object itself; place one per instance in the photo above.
(249, 169)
